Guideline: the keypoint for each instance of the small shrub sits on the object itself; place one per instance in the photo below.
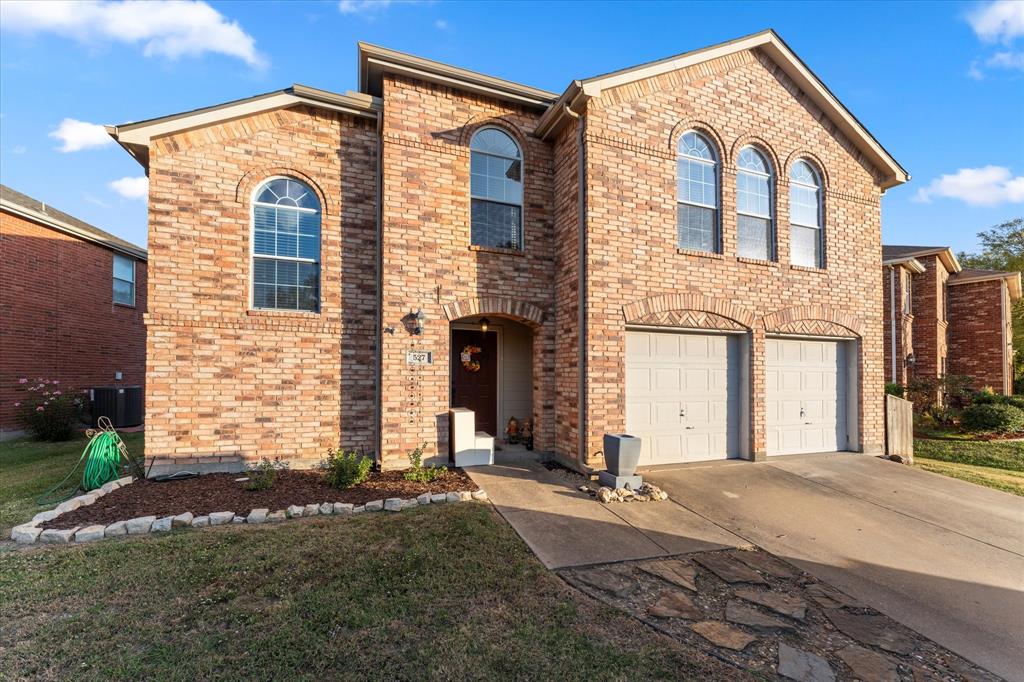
(263, 474)
(419, 473)
(894, 389)
(988, 418)
(48, 411)
(345, 469)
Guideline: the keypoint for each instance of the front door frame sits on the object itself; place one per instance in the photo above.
(499, 368)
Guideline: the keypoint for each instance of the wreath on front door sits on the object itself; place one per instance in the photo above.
(468, 363)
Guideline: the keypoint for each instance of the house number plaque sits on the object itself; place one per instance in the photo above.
(419, 357)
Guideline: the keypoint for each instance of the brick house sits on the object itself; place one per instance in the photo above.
(941, 318)
(684, 250)
(72, 299)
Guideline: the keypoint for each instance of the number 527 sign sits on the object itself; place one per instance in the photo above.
(419, 357)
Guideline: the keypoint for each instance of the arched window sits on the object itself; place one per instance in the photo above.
(496, 190)
(807, 230)
(286, 246)
(697, 192)
(755, 234)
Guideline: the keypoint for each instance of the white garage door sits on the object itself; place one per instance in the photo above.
(806, 394)
(683, 395)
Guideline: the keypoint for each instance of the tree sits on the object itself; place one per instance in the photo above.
(1002, 248)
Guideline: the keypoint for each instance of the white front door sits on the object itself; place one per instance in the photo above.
(806, 396)
(683, 395)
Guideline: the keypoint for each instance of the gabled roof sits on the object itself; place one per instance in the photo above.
(579, 91)
(135, 137)
(909, 262)
(972, 275)
(949, 260)
(26, 207)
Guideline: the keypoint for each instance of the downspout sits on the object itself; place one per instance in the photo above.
(892, 316)
(1004, 294)
(581, 291)
(379, 328)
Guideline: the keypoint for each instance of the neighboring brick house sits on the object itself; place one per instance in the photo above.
(958, 320)
(72, 299)
(684, 250)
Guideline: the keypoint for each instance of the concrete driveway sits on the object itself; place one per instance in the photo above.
(944, 557)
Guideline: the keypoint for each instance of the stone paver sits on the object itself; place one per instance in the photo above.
(675, 604)
(765, 563)
(393, 504)
(803, 666)
(343, 507)
(26, 533)
(611, 580)
(783, 604)
(56, 536)
(257, 516)
(740, 613)
(162, 525)
(730, 570)
(201, 521)
(675, 571)
(723, 635)
(875, 630)
(868, 665)
(829, 597)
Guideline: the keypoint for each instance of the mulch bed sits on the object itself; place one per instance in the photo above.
(221, 492)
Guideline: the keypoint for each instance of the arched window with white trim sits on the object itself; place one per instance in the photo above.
(496, 190)
(755, 229)
(806, 224)
(286, 246)
(697, 194)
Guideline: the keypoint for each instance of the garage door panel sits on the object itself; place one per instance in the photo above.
(690, 385)
(790, 380)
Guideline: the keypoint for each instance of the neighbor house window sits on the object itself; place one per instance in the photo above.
(124, 280)
(908, 295)
(697, 191)
(807, 231)
(755, 232)
(286, 246)
(496, 190)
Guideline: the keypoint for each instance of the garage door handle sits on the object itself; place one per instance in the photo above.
(808, 423)
(689, 427)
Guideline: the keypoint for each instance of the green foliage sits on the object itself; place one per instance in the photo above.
(894, 389)
(988, 418)
(987, 396)
(345, 469)
(263, 474)
(419, 473)
(952, 391)
(49, 412)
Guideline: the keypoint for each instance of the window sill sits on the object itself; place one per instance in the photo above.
(496, 249)
(130, 306)
(757, 261)
(700, 254)
(293, 314)
(807, 268)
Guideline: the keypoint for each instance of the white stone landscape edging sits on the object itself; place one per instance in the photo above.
(29, 533)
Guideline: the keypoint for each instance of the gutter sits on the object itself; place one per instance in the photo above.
(137, 253)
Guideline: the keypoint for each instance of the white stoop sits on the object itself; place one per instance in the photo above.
(469, 446)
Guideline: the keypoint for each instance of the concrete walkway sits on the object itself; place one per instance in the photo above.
(941, 556)
(565, 527)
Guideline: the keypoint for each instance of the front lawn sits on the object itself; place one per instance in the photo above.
(29, 468)
(438, 592)
(996, 464)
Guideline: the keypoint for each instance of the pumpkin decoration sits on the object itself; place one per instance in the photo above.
(512, 431)
(468, 363)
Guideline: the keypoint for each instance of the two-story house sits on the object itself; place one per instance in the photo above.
(943, 319)
(684, 250)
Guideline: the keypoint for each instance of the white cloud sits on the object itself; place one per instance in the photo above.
(168, 28)
(19, 149)
(79, 135)
(987, 186)
(1007, 60)
(441, 25)
(362, 6)
(999, 21)
(93, 200)
(132, 188)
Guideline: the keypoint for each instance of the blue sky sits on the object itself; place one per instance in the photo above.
(940, 85)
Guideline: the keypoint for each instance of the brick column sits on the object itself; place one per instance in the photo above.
(758, 451)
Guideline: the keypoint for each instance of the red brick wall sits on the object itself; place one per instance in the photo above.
(981, 340)
(228, 384)
(930, 324)
(59, 318)
(893, 290)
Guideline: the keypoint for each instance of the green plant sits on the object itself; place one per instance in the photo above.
(419, 473)
(263, 474)
(894, 389)
(345, 469)
(987, 418)
(49, 412)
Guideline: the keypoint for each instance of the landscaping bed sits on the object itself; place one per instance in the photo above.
(218, 492)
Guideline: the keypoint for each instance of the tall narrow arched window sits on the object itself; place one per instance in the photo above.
(755, 233)
(496, 190)
(286, 246)
(807, 229)
(697, 194)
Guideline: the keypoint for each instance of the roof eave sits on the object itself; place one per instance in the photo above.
(912, 264)
(61, 226)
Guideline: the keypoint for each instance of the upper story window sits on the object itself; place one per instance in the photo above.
(807, 231)
(286, 246)
(908, 294)
(697, 185)
(496, 190)
(124, 280)
(755, 234)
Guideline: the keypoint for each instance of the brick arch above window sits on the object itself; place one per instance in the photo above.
(758, 143)
(810, 157)
(523, 311)
(691, 308)
(479, 121)
(254, 177)
(698, 126)
(814, 319)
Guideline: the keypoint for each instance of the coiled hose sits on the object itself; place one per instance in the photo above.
(102, 457)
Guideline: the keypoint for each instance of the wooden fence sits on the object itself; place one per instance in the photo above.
(899, 427)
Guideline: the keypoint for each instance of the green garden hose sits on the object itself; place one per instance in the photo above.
(103, 463)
